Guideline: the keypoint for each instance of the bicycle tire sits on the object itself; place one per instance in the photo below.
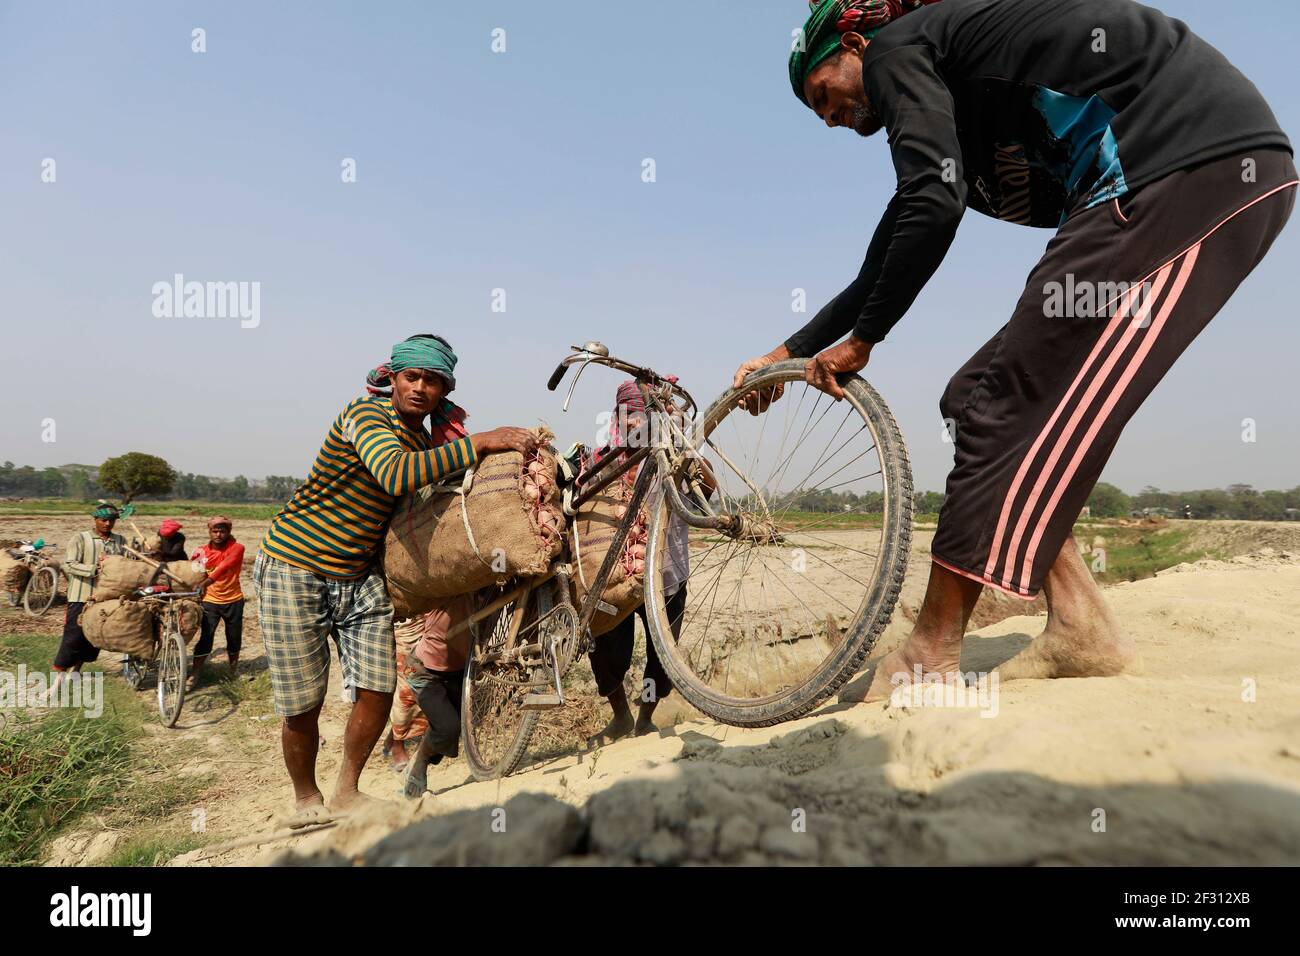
(878, 604)
(481, 767)
(171, 675)
(37, 607)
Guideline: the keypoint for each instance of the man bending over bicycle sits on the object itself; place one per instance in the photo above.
(1165, 175)
(316, 573)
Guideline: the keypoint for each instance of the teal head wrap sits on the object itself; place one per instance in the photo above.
(106, 511)
(428, 352)
(820, 36)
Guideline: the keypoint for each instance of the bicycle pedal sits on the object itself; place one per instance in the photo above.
(537, 701)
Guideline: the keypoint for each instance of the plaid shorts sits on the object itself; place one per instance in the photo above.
(300, 611)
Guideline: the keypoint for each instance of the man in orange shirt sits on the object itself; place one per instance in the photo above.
(223, 600)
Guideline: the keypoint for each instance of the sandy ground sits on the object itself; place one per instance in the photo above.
(1196, 760)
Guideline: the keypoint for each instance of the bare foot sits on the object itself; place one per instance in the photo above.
(620, 726)
(900, 667)
(643, 727)
(306, 812)
(395, 751)
(354, 801)
(1096, 649)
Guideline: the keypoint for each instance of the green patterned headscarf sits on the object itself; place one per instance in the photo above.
(427, 352)
(820, 36)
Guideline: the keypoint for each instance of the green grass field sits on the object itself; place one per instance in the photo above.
(59, 765)
(1132, 554)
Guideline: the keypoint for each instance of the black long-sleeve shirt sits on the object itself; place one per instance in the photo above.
(1028, 111)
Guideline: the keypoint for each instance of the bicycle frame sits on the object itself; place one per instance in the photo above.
(665, 434)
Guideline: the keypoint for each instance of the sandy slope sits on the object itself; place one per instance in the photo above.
(1181, 767)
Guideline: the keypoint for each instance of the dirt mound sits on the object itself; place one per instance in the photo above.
(1258, 558)
(1232, 538)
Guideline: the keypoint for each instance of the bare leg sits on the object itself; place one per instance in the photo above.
(395, 751)
(620, 725)
(300, 741)
(196, 669)
(365, 724)
(417, 780)
(645, 718)
(935, 642)
(1082, 637)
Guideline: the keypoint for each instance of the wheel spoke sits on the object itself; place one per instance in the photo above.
(760, 620)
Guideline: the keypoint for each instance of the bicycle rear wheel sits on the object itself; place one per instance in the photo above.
(171, 678)
(40, 592)
(777, 617)
(495, 729)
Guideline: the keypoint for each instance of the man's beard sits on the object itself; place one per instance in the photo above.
(864, 120)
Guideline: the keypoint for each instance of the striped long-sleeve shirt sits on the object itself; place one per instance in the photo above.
(81, 564)
(336, 519)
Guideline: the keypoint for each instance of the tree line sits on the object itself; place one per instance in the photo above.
(1237, 501)
(138, 475)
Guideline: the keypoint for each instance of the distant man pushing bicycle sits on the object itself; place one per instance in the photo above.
(1167, 179)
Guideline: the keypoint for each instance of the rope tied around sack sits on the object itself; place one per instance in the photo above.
(462, 490)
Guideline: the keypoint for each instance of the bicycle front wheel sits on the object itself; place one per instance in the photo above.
(779, 613)
(171, 678)
(41, 591)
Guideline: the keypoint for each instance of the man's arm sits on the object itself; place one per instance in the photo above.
(230, 563)
(912, 236)
(917, 110)
(75, 564)
(838, 317)
(397, 470)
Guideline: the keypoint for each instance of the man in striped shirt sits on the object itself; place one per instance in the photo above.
(317, 574)
(85, 554)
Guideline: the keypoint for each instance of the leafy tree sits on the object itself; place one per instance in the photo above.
(927, 502)
(78, 486)
(136, 473)
(280, 487)
(234, 490)
(52, 483)
(1107, 501)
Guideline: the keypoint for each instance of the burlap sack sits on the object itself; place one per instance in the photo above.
(189, 616)
(120, 575)
(429, 555)
(13, 573)
(590, 537)
(188, 576)
(121, 627)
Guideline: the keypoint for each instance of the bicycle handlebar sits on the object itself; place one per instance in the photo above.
(599, 354)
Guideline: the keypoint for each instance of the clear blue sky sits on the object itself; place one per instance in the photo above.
(519, 171)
